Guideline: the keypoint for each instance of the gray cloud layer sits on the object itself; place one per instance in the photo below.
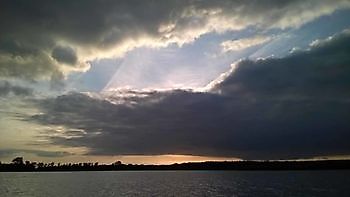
(64, 55)
(291, 107)
(41, 37)
(6, 89)
(318, 73)
(40, 153)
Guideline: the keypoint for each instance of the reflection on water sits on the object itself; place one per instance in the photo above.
(176, 183)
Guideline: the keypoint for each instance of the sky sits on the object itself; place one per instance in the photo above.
(174, 81)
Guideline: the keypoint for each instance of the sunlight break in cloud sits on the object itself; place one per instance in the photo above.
(240, 44)
(263, 111)
(34, 48)
(283, 106)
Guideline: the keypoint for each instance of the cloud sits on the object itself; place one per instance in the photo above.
(7, 89)
(319, 72)
(292, 107)
(64, 55)
(40, 153)
(57, 81)
(41, 38)
(237, 45)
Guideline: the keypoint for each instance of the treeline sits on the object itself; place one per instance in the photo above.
(18, 165)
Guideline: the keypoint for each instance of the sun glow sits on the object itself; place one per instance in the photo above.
(143, 159)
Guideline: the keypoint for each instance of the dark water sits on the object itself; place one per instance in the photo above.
(176, 183)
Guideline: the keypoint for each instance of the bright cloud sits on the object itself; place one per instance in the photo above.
(240, 44)
(35, 47)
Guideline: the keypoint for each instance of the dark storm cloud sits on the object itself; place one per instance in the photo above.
(321, 73)
(32, 30)
(291, 107)
(6, 89)
(64, 55)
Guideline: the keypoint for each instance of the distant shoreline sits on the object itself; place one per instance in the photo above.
(195, 166)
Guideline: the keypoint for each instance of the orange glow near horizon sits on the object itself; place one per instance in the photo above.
(144, 159)
(147, 159)
(128, 159)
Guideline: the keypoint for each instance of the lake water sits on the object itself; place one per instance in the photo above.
(176, 183)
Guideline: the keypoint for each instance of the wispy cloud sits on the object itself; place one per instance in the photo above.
(7, 89)
(241, 44)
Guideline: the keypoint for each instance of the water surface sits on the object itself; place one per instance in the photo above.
(176, 183)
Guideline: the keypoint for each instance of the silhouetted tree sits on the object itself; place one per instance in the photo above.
(18, 161)
(17, 165)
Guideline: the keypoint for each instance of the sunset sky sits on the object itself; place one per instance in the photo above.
(158, 81)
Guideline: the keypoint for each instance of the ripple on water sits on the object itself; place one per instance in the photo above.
(176, 183)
